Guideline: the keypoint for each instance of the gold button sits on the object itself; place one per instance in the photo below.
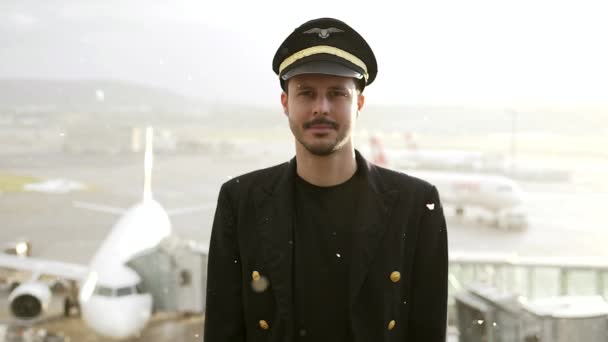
(391, 324)
(255, 275)
(264, 325)
(395, 276)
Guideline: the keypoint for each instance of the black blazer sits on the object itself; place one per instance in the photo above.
(400, 228)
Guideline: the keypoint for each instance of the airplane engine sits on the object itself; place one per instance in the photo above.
(29, 300)
(21, 248)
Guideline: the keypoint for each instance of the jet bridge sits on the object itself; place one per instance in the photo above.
(496, 298)
(174, 272)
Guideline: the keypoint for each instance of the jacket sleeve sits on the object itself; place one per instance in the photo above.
(428, 313)
(224, 320)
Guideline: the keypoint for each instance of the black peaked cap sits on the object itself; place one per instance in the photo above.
(327, 46)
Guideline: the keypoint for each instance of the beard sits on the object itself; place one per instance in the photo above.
(322, 149)
(320, 145)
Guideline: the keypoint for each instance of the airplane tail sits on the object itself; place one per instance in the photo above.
(147, 191)
(377, 151)
(148, 162)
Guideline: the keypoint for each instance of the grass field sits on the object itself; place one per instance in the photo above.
(14, 183)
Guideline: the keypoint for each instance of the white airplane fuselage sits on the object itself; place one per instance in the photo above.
(496, 193)
(111, 301)
(492, 192)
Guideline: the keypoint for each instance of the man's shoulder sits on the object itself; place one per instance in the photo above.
(257, 177)
(401, 181)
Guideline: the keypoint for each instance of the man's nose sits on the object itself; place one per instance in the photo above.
(321, 105)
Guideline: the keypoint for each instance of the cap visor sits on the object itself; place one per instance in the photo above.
(322, 67)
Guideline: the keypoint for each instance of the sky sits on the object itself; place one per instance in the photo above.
(469, 52)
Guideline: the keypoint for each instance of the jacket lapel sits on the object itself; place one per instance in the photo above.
(374, 209)
(274, 219)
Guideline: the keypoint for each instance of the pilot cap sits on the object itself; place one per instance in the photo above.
(325, 46)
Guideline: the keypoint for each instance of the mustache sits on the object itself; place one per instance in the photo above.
(320, 121)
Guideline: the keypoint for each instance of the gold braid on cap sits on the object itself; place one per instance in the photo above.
(324, 49)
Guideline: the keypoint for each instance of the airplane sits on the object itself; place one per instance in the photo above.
(412, 157)
(497, 194)
(110, 296)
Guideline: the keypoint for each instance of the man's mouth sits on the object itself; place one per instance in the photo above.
(320, 125)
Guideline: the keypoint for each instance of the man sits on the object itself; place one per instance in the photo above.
(326, 247)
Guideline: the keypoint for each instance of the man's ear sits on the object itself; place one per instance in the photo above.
(284, 103)
(360, 103)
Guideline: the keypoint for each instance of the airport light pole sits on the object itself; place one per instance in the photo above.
(513, 147)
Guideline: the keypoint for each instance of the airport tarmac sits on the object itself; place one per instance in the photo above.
(565, 220)
(161, 327)
(165, 326)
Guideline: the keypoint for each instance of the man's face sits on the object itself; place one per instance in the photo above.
(322, 110)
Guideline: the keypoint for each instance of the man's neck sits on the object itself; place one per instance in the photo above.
(329, 170)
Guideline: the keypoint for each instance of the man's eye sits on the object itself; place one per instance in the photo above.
(306, 93)
(337, 93)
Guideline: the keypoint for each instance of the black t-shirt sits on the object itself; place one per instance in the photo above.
(322, 256)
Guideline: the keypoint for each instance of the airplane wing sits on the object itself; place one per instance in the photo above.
(188, 210)
(42, 266)
(119, 211)
(98, 207)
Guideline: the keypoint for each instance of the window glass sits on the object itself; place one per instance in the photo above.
(104, 291)
(500, 104)
(139, 288)
(124, 291)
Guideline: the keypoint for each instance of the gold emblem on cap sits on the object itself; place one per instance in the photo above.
(264, 325)
(324, 33)
(332, 50)
(391, 324)
(395, 276)
(255, 275)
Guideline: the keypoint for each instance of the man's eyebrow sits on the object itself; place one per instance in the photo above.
(338, 87)
(300, 86)
(304, 86)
